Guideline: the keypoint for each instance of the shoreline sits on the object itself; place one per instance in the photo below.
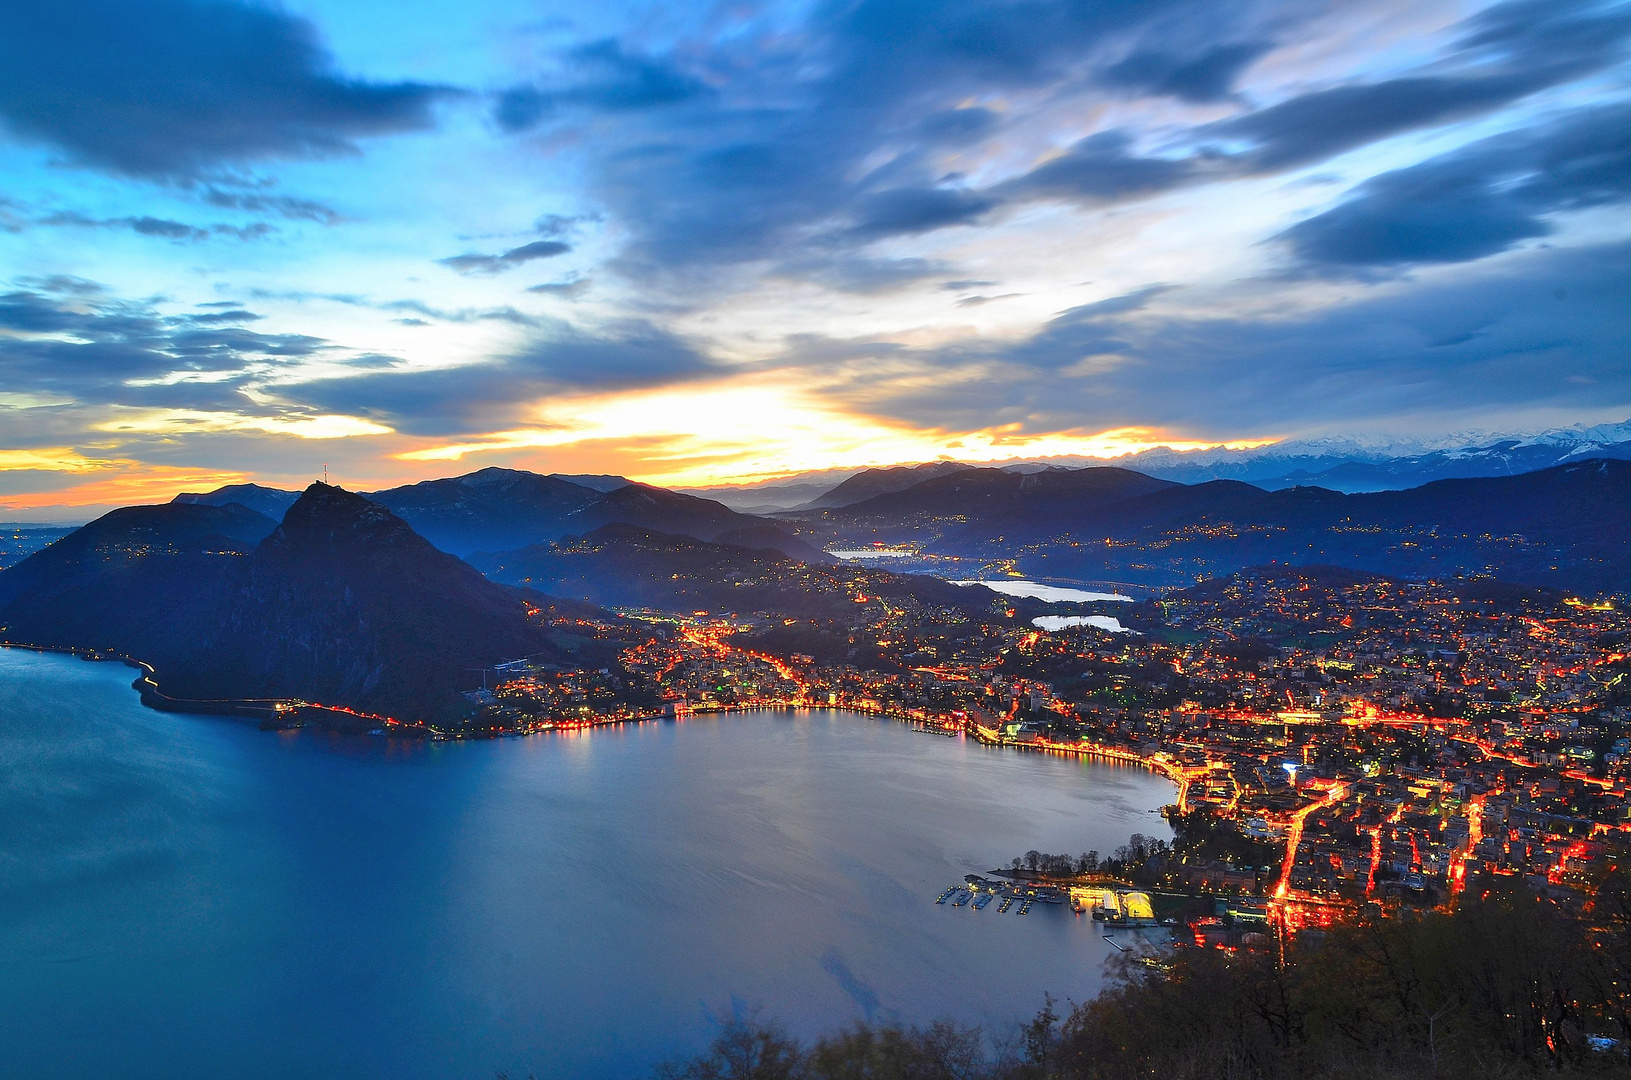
(284, 714)
(270, 711)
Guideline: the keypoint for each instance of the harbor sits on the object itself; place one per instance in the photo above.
(1112, 905)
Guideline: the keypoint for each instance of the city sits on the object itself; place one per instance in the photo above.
(1384, 741)
(853, 540)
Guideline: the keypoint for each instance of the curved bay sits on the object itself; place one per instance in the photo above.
(188, 896)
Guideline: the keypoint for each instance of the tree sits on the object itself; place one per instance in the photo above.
(744, 1049)
(942, 1051)
(1609, 965)
(1041, 1035)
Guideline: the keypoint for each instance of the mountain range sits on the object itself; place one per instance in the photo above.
(1355, 466)
(874, 482)
(504, 509)
(362, 601)
(1569, 525)
(1565, 525)
(999, 496)
(341, 603)
(1349, 464)
(622, 565)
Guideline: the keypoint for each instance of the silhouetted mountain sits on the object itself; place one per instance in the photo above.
(875, 482)
(1583, 503)
(272, 502)
(979, 500)
(622, 565)
(595, 481)
(629, 566)
(1506, 458)
(345, 603)
(490, 510)
(341, 604)
(18, 542)
(503, 509)
(660, 510)
(1176, 506)
(768, 536)
(130, 576)
(769, 497)
(1566, 526)
(1367, 465)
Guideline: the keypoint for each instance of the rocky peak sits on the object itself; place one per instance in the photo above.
(331, 519)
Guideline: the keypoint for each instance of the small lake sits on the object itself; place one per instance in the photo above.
(1039, 591)
(1063, 622)
(189, 897)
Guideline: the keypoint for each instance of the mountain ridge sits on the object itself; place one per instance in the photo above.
(874, 482)
(341, 603)
(1566, 526)
(622, 565)
(498, 509)
(1349, 463)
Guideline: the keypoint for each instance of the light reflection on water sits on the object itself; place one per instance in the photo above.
(1039, 591)
(190, 897)
(1061, 622)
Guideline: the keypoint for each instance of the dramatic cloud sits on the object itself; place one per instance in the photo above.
(509, 260)
(760, 143)
(258, 202)
(1208, 76)
(178, 89)
(504, 314)
(598, 76)
(1544, 329)
(862, 275)
(753, 147)
(476, 397)
(159, 227)
(72, 340)
(1503, 53)
(922, 216)
(907, 211)
(569, 289)
(1478, 200)
(1100, 169)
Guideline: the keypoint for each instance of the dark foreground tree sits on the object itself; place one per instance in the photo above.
(1509, 985)
(752, 1049)
(744, 1049)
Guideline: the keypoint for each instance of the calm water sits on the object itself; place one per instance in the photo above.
(1050, 593)
(1064, 622)
(190, 897)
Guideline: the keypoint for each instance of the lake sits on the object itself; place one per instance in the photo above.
(1065, 622)
(1039, 591)
(187, 896)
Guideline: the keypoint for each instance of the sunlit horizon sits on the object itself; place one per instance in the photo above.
(697, 246)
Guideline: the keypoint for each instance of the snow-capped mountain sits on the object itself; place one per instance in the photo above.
(1348, 463)
(1379, 463)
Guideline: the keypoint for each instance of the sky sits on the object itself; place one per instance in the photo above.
(695, 243)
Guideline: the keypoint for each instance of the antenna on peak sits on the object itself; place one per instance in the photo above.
(325, 473)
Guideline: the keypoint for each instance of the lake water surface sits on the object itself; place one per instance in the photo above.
(187, 896)
(1065, 622)
(1050, 593)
